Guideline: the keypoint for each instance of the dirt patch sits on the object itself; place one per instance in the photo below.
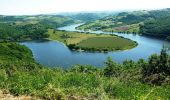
(7, 96)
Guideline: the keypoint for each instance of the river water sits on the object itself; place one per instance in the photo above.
(56, 54)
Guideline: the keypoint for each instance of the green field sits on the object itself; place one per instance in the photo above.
(106, 43)
(91, 42)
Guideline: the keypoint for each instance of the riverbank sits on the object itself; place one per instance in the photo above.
(128, 29)
(91, 42)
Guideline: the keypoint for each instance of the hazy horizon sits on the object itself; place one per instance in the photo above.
(35, 7)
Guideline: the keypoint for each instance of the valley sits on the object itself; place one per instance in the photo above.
(86, 56)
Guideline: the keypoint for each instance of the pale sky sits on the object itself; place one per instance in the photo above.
(28, 7)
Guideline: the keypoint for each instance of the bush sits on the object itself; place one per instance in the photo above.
(112, 68)
(157, 69)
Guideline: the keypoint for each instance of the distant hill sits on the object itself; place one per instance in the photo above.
(19, 28)
(134, 22)
(88, 16)
(51, 20)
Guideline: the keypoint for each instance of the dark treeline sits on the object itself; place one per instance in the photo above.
(159, 27)
(10, 32)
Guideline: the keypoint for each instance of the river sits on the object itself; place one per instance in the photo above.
(55, 54)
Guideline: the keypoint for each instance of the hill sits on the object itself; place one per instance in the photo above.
(153, 23)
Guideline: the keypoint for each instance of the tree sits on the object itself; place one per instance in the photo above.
(163, 65)
(158, 68)
(112, 68)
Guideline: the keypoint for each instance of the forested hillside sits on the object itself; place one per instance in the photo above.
(122, 22)
(19, 28)
(155, 23)
(10, 32)
(159, 27)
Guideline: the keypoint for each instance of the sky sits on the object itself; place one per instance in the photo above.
(31, 7)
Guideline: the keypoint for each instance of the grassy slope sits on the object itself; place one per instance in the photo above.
(68, 37)
(109, 42)
(22, 78)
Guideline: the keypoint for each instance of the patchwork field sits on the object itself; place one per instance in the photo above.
(91, 42)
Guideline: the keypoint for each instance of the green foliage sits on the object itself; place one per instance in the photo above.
(158, 68)
(154, 23)
(22, 32)
(54, 21)
(84, 69)
(126, 22)
(14, 51)
(21, 28)
(23, 76)
(156, 27)
(112, 69)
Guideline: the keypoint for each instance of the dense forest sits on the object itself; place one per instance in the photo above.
(159, 27)
(22, 32)
(21, 75)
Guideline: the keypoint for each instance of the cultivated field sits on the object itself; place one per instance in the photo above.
(91, 42)
(107, 43)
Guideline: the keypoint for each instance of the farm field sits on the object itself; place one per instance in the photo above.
(110, 43)
(91, 42)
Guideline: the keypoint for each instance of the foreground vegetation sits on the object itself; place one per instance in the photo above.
(21, 75)
(91, 42)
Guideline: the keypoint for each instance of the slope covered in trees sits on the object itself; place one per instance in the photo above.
(159, 27)
(155, 23)
(122, 22)
(18, 28)
(10, 32)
